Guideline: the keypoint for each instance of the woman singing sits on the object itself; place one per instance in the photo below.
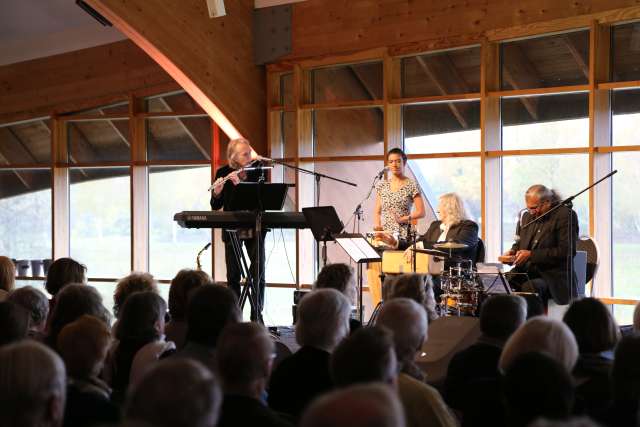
(395, 196)
(240, 155)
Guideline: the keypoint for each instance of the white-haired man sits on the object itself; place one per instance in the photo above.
(423, 405)
(323, 321)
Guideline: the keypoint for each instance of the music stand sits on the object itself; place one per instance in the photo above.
(258, 197)
(324, 223)
(491, 275)
(360, 251)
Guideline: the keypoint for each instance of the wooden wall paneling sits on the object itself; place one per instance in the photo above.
(76, 80)
(321, 27)
(60, 191)
(211, 59)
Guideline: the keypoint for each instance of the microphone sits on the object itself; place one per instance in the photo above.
(264, 159)
(382, 172)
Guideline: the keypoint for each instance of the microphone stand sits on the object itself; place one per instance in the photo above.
(568, 202)
(317, 176)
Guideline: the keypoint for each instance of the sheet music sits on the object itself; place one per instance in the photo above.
(357, 248)
(366, 248)
(351, 249)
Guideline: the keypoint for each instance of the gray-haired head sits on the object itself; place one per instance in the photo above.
(323, 319)
(35, 302)
(364, 405)
(542, 193)
(32, 385)
(176, 392)
(408, 321)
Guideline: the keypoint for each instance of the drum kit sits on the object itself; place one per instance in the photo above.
(462, 292)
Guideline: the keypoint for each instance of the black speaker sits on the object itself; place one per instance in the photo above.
(446, 336)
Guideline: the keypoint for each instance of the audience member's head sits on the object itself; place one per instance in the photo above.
(210, 309)
(142, 318)
(581, 421)
(545, 335)
(407, 320)
(367, 355)
(14, 323)
(62, 272)
(363, 405)
(134, 282)
(416, 287)
(181, 286)
(176, 392)
(501, 315)
(83, 345)
(593, 325)
(244, 357)
(625, 374)
(32, 386)
(323, 319)
(636, 318)
(338, 276)
(73, 301)
(36, 303)
(536, 385)
(7, 274)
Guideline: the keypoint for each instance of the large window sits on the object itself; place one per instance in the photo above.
(171, 247)
(100, 220)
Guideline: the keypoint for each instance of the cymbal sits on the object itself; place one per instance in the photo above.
(450, 245)
(431, 252)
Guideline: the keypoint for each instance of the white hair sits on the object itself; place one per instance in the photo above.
(544, 335)
(408, 321)
(452, 209)
(323, 319)
(31, 375)
(231, 151)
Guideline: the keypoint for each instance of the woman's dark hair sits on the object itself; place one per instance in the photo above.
(139, 315)
(398, 152)
(73, 301)
(181, 286)
(336, 276)
(128, 285)
(592, 324)
(210, 309)
(62, 272)
(625, 374)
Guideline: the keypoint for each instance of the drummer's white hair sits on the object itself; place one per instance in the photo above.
(452, 209)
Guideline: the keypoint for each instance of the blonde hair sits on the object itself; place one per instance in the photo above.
(7, 274)
(231, 151)
(452, 209)
(543, 335)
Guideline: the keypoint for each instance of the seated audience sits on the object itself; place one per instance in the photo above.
(37, 304)
(245, 354)
(83, 345)
(364, 405)
(7, 277)
(323, 321)
(413, 286)
(625, 379)
(597, 334)
(545, 335)
(185, 282)
(134, 282)
(32, 386)
(537, 385)
(423, 405)
(175, 393)
(141, 325)
(339, 276)
(14, 323)
(73, 301)
(367, 355)
(62, 272)
(476, 368)
(209, 310)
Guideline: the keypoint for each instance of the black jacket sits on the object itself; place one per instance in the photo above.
(551, 242)
(463, 232)
(225, 198)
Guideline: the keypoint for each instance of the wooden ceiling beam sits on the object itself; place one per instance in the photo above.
(442, 90)
(118, 127)
(576, 54)
(520, 73)
(193, 131)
